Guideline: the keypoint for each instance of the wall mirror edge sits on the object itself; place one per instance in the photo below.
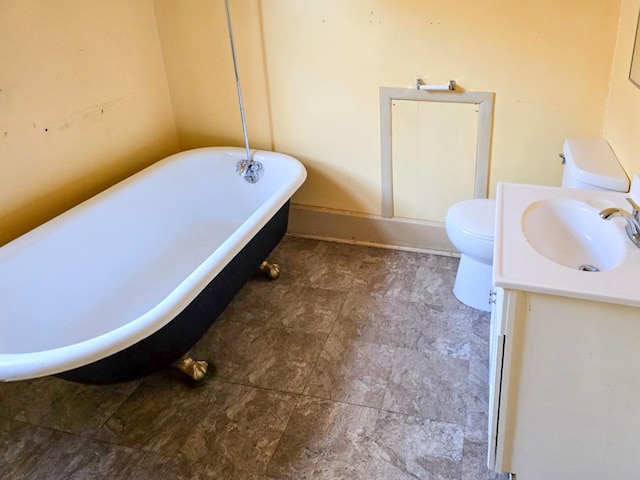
(634, 69)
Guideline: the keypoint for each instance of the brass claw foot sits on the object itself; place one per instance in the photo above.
(270, 270)
(196, 370)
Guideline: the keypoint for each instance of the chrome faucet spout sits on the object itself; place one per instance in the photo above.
(633, 220)
(609, 213)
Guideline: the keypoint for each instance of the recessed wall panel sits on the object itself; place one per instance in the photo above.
(433, 156)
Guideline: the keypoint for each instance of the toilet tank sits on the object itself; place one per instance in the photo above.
(590, 164)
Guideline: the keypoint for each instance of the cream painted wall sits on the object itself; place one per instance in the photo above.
(311, 71)
(200, 72)
(83, 103)
(622, 125)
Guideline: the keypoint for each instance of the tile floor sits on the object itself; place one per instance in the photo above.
(357, 363)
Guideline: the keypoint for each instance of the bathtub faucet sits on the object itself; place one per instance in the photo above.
(249, 169)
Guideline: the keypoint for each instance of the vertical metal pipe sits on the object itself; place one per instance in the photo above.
(238, 88)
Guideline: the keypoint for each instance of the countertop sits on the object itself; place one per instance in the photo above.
(518, 265)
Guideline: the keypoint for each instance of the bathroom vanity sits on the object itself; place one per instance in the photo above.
(565, 342)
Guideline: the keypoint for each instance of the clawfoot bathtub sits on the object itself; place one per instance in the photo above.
(126, 283)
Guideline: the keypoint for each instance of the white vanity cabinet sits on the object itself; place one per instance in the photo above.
(564, 387)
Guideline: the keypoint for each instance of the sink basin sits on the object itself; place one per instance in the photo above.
(545, 234)
(571, 233)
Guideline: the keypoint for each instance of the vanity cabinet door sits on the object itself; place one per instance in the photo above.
(503, 314)
(496, 350)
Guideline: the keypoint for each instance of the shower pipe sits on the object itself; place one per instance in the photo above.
(249, 169)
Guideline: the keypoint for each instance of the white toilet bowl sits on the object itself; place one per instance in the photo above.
(470, 226)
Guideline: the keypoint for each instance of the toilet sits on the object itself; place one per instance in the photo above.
(589, 164)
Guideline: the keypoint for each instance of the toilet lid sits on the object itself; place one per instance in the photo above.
(475, 217)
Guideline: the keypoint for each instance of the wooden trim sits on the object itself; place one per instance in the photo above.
(485, 102)
(375, 230)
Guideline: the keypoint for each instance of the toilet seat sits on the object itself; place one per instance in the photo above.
(474, 217)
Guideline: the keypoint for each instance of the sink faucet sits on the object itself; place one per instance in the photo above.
(633, 220)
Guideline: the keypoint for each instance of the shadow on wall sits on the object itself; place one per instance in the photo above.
(195, 37)
(328, 182)
(75, 191)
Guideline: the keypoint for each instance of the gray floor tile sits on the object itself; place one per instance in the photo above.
(278, 347)
(14, 396)
(474, 463)
(217, 472)
(218, 424)
(161, 414)
(224, 345)
(428, 385)
(33, 452)
(374, 319)
(335, 266)
(442, 329)
(309, 309)
(297, 258)
(351, 371)
(240, 434)
(258, 300)
(433, 285)
(406, 447)
(278, 358)
(153, 466)
(390, 275)
(70, 407)
(325, 440)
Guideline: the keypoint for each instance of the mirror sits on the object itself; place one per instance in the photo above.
(634, 73)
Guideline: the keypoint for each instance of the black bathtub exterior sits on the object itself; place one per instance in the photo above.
(161, 349)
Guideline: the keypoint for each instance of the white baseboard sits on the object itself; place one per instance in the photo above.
(375, 230)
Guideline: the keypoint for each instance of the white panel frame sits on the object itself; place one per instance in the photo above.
(484, 100)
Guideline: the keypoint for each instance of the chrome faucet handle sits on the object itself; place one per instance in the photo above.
(635, 207)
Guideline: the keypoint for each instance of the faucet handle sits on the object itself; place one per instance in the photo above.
(635, 206)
